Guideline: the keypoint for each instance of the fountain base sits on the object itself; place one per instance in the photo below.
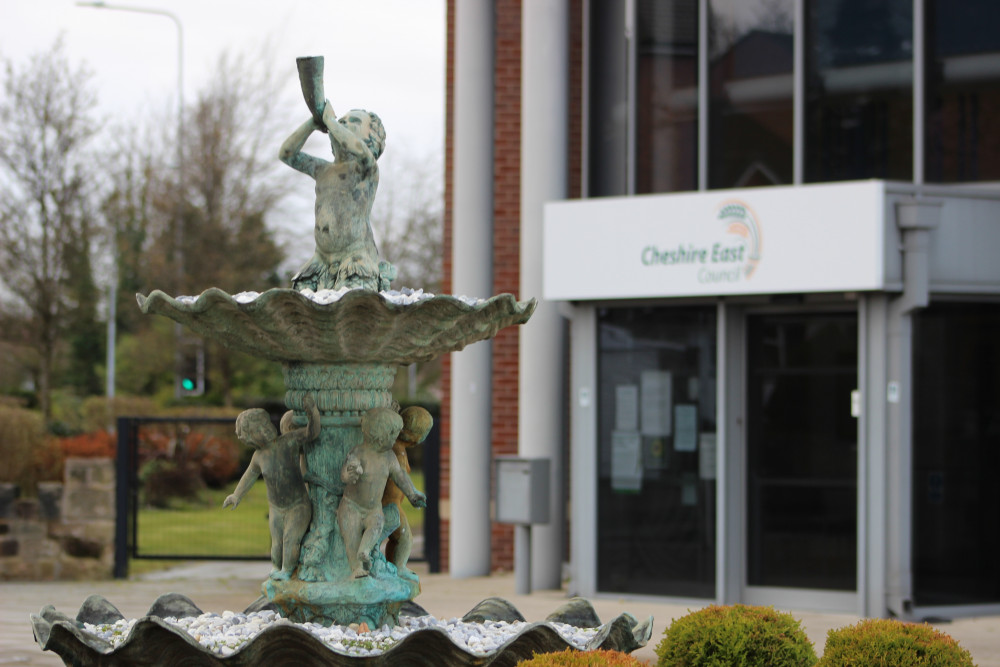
(375, 599)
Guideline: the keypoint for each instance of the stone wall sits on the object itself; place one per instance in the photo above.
(67, 532)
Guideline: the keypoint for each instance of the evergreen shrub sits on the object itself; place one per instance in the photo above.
(23, 441)
(735, 635)
(891, 643)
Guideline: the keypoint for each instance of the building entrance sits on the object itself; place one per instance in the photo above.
(801, 453)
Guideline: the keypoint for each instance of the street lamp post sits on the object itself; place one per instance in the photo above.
(178, 223)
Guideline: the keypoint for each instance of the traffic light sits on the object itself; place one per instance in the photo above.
(190, 373)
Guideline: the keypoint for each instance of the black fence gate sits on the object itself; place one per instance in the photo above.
(174, 473)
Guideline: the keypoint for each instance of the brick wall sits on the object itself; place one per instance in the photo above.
(67, 532)
(506, 233)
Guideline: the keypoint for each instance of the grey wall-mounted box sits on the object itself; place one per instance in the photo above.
(522, 487)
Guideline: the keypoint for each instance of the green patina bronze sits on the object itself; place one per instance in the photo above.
(339, 359)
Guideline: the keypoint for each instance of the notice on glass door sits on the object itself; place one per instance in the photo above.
(656, 403)
(685, 428)
(627, 407)
(626, 461)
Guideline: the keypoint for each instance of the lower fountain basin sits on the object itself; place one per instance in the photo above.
(152, 640)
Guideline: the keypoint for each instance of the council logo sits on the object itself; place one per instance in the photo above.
(740, 220)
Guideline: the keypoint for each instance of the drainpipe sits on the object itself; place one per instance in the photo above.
(916, 218)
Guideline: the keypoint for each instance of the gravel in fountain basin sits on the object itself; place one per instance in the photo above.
(401, 297)
(494, 633)
(224, 634)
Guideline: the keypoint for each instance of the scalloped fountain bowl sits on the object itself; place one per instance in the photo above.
(158, 637)
(347, 326)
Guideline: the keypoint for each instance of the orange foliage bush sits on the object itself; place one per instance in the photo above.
(95, 445)
(217, 459)
(50, 457)
(571, 658)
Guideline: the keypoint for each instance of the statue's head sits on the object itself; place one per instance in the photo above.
(254, 427)
(417, 424)
(287, 422)
(368, 126)
(380, 426)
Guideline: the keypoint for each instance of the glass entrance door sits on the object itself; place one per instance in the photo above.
(802, 451)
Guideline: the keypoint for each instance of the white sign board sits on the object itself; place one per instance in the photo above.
(813, 238)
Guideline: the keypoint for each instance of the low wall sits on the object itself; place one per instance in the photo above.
(67, 532)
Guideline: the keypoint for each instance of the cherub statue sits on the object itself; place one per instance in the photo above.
(364, 474)
(277, 459)
(345, 255)
(417, 424)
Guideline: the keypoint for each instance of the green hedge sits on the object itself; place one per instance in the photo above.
(735, 636)
(890, 643)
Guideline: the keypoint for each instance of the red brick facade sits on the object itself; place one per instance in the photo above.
(506, 235)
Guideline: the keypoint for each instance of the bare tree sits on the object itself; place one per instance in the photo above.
(408, 224)
(229, 189)
(47, 232)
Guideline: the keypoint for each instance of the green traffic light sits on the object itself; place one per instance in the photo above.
(187, 384)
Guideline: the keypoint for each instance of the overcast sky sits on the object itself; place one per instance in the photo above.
(382, 55)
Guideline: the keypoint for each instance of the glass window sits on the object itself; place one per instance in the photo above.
(657, 450)
(750, 92)
(666, 96)
(962, 133)
(956, 454)
(608, 100)
(859, 90)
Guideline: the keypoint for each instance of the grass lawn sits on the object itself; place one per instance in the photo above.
(202, 527)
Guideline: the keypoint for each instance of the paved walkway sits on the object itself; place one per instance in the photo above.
(234, 585)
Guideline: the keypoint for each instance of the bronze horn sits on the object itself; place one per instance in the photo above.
(311, 80)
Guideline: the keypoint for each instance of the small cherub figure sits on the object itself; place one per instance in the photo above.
(277, 459)
(364, 474)
(417, 424)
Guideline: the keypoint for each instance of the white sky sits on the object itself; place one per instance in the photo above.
(382, 55)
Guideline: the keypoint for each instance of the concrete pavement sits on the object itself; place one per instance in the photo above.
(220, 586)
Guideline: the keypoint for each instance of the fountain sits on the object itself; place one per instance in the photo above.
(340, 334)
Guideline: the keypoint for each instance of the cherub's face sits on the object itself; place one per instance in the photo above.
(357, 122)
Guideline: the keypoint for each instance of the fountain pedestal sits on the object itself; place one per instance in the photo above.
(322, 589)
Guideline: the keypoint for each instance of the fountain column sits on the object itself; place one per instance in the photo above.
(324, 590)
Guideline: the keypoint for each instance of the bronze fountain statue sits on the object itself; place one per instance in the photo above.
(337, 472)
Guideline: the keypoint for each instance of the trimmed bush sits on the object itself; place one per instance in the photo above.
(573, 658)
(163, 480)
(891, 643)
(726, 636)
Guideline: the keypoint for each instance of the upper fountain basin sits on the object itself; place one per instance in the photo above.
(350, 326)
